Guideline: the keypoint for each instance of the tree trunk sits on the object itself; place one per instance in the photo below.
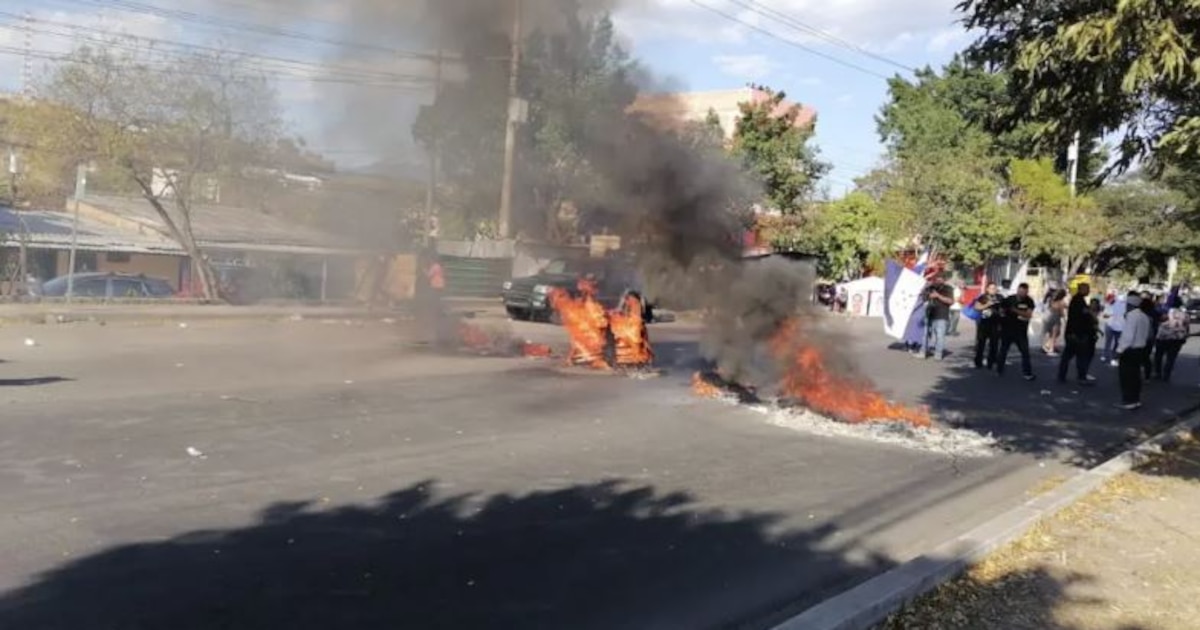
(203, 271)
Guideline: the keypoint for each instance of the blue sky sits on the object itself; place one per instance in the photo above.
(785, 44)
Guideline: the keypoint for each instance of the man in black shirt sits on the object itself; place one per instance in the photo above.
(1081, 334)
(987, 327)
(1014, 329)
(938, 298)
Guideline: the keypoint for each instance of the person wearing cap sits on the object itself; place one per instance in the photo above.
(1131, 352)
(939, 297)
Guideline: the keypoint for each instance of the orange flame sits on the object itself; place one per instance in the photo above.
(806, 380)
(536, 350)
(586, 324)
(703, 387)
(630, 339)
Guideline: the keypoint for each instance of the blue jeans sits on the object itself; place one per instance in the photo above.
(937, 330)
(1111, 339)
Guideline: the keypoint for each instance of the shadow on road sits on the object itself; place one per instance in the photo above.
(1079, 424)
(30, 382)
(603, 555)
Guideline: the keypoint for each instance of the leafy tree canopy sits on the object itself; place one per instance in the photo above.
(1097, 67)
(775, 150)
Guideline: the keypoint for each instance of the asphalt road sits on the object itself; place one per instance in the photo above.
(339, 477)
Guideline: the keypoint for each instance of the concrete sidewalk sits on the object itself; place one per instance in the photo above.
(61, 312)
(1124, 557)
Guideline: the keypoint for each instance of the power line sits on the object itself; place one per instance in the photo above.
(770, 13)
(251, 27)
(159, 69)
(789, 42)
(267, 62)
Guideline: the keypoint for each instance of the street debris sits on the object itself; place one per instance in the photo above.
(949, 441)
(194, 452)
(30, 342)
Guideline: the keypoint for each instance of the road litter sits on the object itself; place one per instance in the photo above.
(183, 324)
(956, 442)
(194, 452)
(30, 342)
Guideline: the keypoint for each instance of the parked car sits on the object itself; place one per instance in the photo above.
(1193, 310)
(529, 297)
(106, 286)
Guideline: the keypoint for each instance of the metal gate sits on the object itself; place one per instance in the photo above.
(475, 277)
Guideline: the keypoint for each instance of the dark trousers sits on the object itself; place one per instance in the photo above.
(1021, 341)
(987, 342)
(1082, 350)
(1165, 353)
(1147, 362)
(1129, 371)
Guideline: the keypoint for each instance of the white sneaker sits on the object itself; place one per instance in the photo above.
(1113, 363)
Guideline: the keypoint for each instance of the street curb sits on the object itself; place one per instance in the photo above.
(871, 602)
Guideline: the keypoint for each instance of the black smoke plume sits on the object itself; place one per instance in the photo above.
(683, 209)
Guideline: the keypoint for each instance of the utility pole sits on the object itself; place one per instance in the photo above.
(27, 61)
(514, 115)
(23, 256)
(80, 186)
(435, 141)
(1073, 160)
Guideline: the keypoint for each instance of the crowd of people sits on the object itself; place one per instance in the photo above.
(1143, 333)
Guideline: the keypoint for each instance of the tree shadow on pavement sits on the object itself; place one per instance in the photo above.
(1078, 424)
(604, 555)
(34, 381)
(1026, 598)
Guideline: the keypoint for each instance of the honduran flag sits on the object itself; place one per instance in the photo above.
(903, 308)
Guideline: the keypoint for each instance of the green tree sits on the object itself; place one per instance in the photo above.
(943, 174)
(775, 150)
(1149, 222)
(575, 80)
(172, 132)
(579, 81)
(851, 234)
(1054, 224)
(1099, 68)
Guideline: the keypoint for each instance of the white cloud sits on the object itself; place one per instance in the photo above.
(53, 33)
(845, 99)
(746, 67)
(951, 38)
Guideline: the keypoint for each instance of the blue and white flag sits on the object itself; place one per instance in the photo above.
(902, 289)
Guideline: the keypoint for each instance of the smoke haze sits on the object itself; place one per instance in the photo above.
(674, 203)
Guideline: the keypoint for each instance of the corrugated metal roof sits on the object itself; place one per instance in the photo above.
(228, 227)
(49, 229)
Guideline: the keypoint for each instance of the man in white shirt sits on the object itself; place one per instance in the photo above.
(1114, 323)
(1131, 351)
